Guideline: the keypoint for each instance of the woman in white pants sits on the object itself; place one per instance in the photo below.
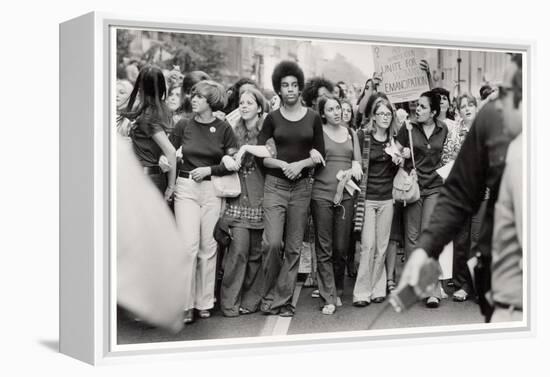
(370, 285)
(204, 140)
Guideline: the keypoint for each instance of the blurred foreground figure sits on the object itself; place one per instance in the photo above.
(480, 164)
(153, 277)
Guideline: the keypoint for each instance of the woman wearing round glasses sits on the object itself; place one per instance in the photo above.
(383, 163)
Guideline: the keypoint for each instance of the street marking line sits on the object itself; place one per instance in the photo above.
(276, 325)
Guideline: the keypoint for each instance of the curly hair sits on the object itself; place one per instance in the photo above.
(312, 87)
(284, 69)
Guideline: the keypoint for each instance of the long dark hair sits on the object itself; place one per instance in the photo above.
(246, 136)
(150, 86)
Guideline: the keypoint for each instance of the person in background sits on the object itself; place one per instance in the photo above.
(370, 88)
(446, 114)
(151, 119)
(173, 101)
(204, 141)
(123, 90)
(332, 205)
(316, 88)
(298, 135)
(383, 162)
(234, 92)
(242, 276)
(428, 135)
(338, 92)
(189, 80)
(479, 165)
(348, 116)
(462, 242)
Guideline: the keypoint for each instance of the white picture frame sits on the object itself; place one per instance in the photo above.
(86, 157)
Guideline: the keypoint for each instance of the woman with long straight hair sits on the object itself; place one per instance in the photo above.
(242, 276)
(205, 140)
(332, 205)
(152, 122)
(370, 285)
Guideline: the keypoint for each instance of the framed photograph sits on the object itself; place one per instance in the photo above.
(226, 188)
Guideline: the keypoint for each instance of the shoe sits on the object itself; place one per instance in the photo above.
(287, 311)
(204, 313)
(360, 304)
(338, 301)
(244, 311)
(265, 308)
(460, 296)
(315, 293)
(432, 302)
(378, 300)
(309, 282)
(391, 285)
(328, 309)
(188, 316)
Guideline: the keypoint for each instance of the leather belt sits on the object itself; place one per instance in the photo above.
(185, 174)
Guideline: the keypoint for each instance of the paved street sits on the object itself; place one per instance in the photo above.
(308, 319)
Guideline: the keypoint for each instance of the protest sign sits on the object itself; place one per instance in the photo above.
(402, 78)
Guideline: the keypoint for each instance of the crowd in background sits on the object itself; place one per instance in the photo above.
(316, 162)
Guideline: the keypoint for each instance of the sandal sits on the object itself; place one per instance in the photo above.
(328, 309)
(244, 311)
(315, 293)
(391, 285)
(460, 296)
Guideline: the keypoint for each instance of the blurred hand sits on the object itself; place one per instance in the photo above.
(240, 154)
(168, 193)
(406, 153)
(219, 114)
(397, 160)
(164, 164)
(179, 153)
(199, 174)
(317, 157)
(356, 170)
(411, 271)
(292, 171)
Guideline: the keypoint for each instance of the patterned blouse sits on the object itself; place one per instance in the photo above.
(455, 139)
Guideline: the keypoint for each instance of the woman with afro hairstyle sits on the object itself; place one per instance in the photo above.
(297, 132)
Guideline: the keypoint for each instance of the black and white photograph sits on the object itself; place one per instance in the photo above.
(273, 188)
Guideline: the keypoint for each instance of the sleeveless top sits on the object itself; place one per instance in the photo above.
(338, 157)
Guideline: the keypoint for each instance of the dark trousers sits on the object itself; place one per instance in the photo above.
(465, 245)
(417, 217)
(241, 283)
(332, 236)
(286, 205)
(461, 253)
